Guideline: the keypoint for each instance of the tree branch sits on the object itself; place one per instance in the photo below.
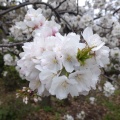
(116, 11)
(77, 7)
(111, 80)
(97, 17)
(4, 8)
(67, 24)
(29, 3)
(2, 26)
(12, 44)
(34, 3)
(104, 27)
(15, 44)
(70, 12)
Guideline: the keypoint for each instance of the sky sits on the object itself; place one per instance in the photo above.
(81, 2)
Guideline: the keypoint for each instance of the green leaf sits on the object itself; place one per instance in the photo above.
(83, 55)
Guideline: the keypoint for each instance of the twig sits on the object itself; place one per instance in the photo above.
(3, 28)
(97, 17)
(104, 27)
(4, 8)
(11, 44)
(77, 7)
(116, 11)
(67, 24)
(70, 12)
(34, 3)
(15, 44)
(29, 3)
(111, 80)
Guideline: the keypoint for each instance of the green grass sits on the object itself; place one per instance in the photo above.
(114, 113)
(16, 110)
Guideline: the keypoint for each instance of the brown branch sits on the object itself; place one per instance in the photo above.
(15, 44)
(4, 29)
(104, 27)
(77, 7)
(111, 80)
(4, 7)
(29, 3)
(70, 12)
(67, 24)
(11, 44)
(116, 11)
(97, 17)
(34, 3)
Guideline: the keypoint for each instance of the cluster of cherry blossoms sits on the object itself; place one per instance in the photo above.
(60, 65)
(79, 116)
(108, 89)
(33, 22)
(27, 95)
(9, 60)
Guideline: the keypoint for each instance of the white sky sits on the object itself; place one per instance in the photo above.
(81, 2)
